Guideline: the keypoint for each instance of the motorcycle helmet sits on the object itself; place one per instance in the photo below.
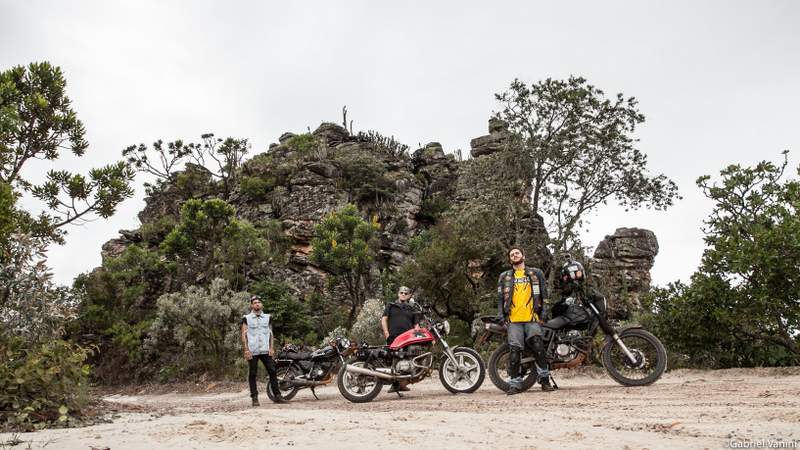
(572, 271)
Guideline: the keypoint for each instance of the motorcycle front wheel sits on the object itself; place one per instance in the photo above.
(285, 375)
(465, 374)
(498, 370)
(650, 358)
(356, 387)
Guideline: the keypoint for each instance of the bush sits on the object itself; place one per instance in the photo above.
(364, 176)
(336, 332)
(367, 327)
(31, 305)
(303, 143)
(203, 323)
(155, 232)
(41, 384)
(257, 188)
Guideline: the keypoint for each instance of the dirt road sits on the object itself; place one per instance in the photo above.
(685, 409)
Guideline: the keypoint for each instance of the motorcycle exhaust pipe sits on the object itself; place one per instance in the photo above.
(374, 373)
(304, 383)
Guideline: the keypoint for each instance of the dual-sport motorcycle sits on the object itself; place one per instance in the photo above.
(409, 359)
(631, 356)
(298, 369)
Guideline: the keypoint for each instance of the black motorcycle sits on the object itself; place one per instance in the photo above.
(631, 356)
(298, 369)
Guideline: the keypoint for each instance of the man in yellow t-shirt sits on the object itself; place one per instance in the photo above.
(521, 293)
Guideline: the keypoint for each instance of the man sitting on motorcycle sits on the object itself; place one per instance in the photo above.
(521, 292)
(399, 317)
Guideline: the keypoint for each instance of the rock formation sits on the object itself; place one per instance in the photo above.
(305, 183)
(621, 268)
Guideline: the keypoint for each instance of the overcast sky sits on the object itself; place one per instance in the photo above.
(717, 81)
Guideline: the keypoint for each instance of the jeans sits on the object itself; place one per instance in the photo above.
(269, 364)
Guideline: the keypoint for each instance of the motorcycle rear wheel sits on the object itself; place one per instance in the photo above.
(498, 365)
(288, 391)
(649, 351)
(356, 387)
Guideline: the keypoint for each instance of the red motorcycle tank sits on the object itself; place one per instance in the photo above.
(410, 337)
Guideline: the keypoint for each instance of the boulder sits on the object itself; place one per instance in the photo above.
(331, 134)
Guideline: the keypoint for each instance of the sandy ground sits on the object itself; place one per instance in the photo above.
(685, 409)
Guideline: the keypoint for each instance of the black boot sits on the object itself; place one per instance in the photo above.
(255, 401)
(545, 382)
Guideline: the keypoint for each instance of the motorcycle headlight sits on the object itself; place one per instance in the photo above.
(446, 327)
(344, 343)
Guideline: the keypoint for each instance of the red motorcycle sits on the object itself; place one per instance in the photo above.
(410, 359)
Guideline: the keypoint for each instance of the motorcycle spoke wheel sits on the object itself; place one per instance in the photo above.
(649, 354)
(465, 374)
(285, 375)
(358, 388)
(498, 370)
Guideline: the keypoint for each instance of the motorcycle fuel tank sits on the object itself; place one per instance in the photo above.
(412, 337)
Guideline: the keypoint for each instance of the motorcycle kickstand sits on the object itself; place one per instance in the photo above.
(314, 393)
(553, 380)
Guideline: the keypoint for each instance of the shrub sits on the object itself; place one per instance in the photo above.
(336, 332)
(155, 232)
(367, 327)
(257, 188)
(303, 143)
(41, 384)
(204, 323)
(363, 176)
(31, 305)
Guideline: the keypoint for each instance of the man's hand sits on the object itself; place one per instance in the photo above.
(247, 355)
(386, 334)
(416, 327)
(271, 352)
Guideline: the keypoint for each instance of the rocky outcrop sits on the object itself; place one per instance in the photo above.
(305, 179)
(495, 141)
(117, 246)
(621, 268)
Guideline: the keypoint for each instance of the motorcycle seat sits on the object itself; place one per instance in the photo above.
(295, 355)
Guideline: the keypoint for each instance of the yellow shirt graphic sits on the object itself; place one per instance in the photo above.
(522, 301)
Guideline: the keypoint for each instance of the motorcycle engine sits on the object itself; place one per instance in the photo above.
(568, 351)
(319, 371)
(403, 366)
(414, 350)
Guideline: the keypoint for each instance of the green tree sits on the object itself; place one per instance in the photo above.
(210, 242)
(291, 318)
(577, 148)
(344, 244)
(741, 307)
(221, 158)
(37, 122)
(199, 235)
(8, 223)
(447, 267)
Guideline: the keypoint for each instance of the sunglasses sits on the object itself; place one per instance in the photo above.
(404, 292)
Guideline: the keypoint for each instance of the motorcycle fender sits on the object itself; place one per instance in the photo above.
(609, 339)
